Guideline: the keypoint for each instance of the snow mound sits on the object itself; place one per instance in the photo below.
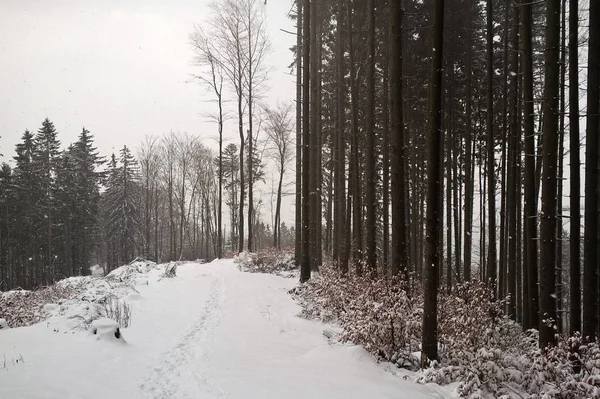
(131, 271)
(3, 325)
(106, 330)
(97, 271)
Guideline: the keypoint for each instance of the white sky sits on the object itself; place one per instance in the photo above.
(119, 68)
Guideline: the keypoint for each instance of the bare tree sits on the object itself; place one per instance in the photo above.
(214, 81)
(278, 126)
(228, 45)
(255, 75)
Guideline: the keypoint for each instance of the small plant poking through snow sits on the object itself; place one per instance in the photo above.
(170, 270)
(117, 310)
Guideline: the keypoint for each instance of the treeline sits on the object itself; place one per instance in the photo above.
(61, 211)
(434, 139)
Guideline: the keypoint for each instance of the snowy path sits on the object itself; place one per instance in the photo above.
(212, 332)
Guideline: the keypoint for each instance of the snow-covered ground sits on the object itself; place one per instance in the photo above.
(211, 332)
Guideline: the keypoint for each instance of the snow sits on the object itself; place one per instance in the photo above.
(210, 332)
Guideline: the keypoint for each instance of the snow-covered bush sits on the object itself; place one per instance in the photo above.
(482, 349)
(22, 308)
(270, 261)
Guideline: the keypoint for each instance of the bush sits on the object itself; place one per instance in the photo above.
(482, 349)
(270, 261)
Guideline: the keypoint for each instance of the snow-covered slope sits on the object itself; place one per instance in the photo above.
(212, 332)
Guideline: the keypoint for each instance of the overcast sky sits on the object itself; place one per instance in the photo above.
(121, 68)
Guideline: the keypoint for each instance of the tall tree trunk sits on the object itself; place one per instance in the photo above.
(435, 144)
(340, 175)
(530, 191)
(469, 175)
(298, 220)
(305, 265)
(502, 266)
(590, 269)
(315, 171)
(561, 157)
(514, 179)
(549, 180)
(357, 232)
(398, 180)
(575, 170)
(491, 265)
(386, 151)
(371, 230)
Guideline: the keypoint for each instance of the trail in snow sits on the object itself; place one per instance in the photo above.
(187, 361)
(212, 332)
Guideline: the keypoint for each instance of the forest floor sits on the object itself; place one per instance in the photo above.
(211, 332)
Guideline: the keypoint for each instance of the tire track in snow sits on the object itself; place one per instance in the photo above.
(182, 372)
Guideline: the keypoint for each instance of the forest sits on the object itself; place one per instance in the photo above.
(450, 137)
(435, 143)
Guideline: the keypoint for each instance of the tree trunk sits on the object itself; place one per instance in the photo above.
(575, 170)
(530, 196)
(305, 265)
(340, 175)
(315, 151)
(549, 180)
(512, 182)
(491, 263)
(590, 269)
(469, 175)
(371, 230)
(298, 219)
(399, 243)
(356, 194)
(435, 144)
(561, 157)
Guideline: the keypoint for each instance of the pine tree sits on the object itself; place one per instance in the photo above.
(121, 207)
(45, 163)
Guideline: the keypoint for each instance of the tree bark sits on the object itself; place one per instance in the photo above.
(491, 177)
(434, 180)
(371, 231)
(575, 170)
(530, 165)
(469, 175)
(298, 219)
(305, 265)
(549, 177)
(399, 244)
(590, 269)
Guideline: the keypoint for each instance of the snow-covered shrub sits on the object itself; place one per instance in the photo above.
(22, 308)
(377, 314)
(270, 261)
(482, 349)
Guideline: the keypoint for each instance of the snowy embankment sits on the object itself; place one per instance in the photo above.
(211, 332)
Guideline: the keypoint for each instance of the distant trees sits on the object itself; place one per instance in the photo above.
(278, 126)
(50, 202)
(234, 45)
